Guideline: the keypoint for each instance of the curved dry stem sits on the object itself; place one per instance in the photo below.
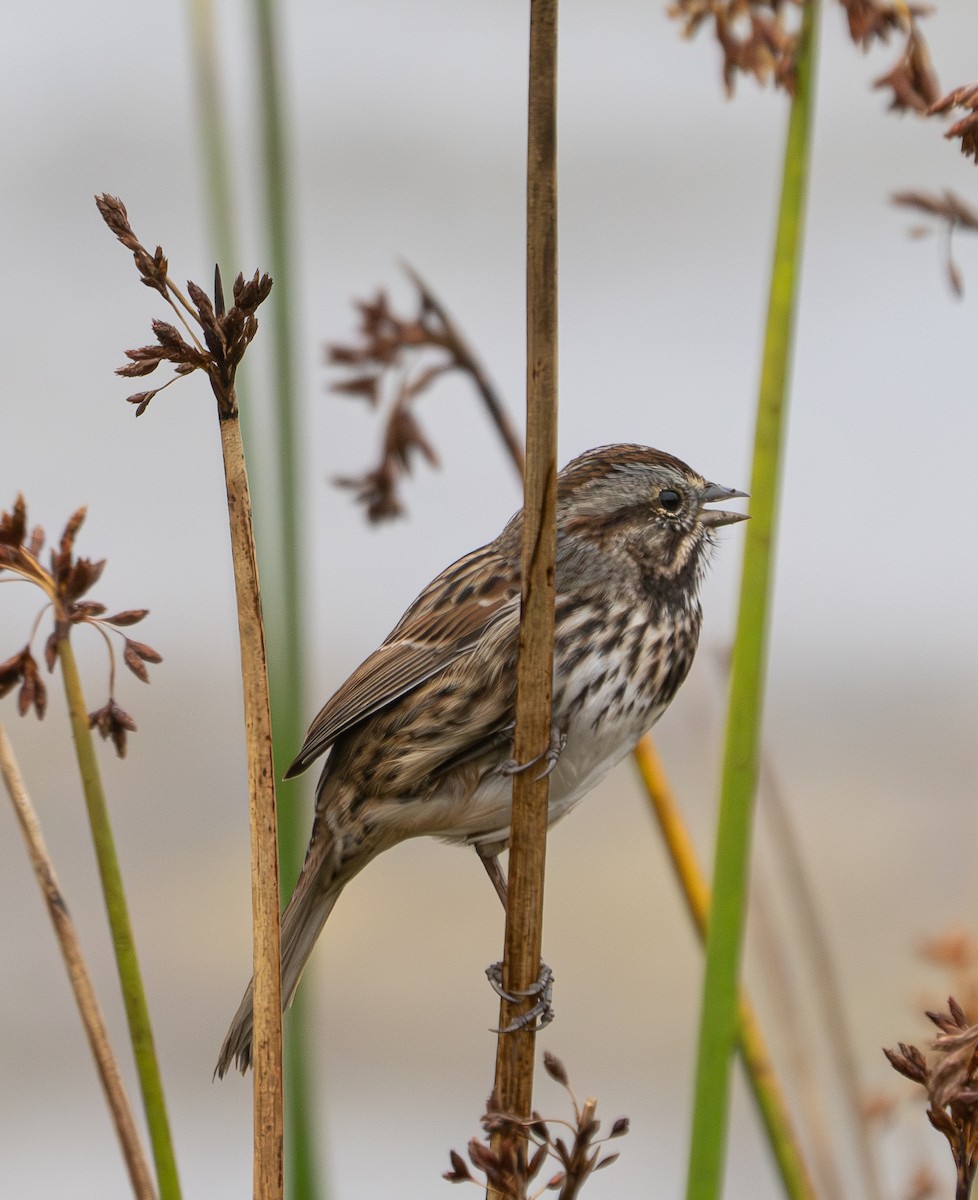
(81, 982)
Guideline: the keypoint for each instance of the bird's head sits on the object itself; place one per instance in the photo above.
(643, 503)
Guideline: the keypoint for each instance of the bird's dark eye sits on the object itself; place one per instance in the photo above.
(670, 500)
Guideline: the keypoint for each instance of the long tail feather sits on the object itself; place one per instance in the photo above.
(302, 923)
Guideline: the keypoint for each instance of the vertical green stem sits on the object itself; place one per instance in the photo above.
(287, 676)
(278, 517)
(719, 1019)
(214, 135)
(133, 994)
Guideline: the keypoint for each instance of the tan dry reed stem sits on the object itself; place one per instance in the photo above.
(226, 335)
(524, 915)
(268, 1115)
(120, 1109)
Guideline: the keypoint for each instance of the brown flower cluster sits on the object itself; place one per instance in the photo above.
(398, 359)
(911, 80)
(756, 37)
(507, 1169)
(64, 584)
(950, 211)
(224, 333)
(760, 38)
(951, 1082)
(967, 127)
(386, 344)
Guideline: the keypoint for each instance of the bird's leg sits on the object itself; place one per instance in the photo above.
(558, 740)
(541, 1014)
(488, 853)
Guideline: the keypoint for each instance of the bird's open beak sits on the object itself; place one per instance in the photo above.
(716, 516)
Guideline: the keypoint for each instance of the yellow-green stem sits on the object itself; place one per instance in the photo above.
(719, 1018)
(133, 993)
(753, 1049)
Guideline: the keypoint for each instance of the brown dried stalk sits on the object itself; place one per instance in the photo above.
(224, 336)
(81, 982)
(508, 1171)
(950, 1079)
(534, 669)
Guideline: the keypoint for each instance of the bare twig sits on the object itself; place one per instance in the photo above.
(467, 360)
(81, 983)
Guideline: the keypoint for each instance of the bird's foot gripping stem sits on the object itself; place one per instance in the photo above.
(551, 756)
(541, 1013)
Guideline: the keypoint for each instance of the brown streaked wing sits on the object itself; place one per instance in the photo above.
(441, 626)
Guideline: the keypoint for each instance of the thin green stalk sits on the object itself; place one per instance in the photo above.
(133, 994)
(287, 678)
(277, 516)
(719, 1018)
(215, 141)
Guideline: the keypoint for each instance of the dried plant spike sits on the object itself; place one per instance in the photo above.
(63, 584)
(421, 348)
(912, 79)
(131, 616)
(953, 212)
(555, 1068)
(508, 1173)
(13, 525)
(113, 722)
(152, 267)
(908, 1061)
(224, 333)
(948, 207)
(459, 1173)
(11, 672)
(965, 129)
(951, 1083)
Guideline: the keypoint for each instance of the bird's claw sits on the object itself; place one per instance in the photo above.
(551, 756)
(540, 1014)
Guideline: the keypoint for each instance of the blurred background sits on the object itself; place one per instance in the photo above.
(408, 142)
